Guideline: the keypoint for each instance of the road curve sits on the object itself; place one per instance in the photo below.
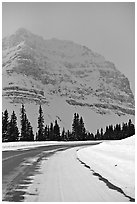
(62, 178)
(52, 174)
(19, 165)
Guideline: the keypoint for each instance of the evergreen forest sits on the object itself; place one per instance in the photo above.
(53, 132)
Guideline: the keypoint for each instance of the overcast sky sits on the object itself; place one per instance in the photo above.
(106, 28)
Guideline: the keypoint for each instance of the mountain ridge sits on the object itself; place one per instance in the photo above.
(38, 71)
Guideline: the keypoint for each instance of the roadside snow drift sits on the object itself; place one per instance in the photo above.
(8, 146)
(113, 160)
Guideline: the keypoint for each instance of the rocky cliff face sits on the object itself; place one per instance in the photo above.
(38, 71)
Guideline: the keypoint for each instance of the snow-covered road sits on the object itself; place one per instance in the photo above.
(113, 160)
(62, 178)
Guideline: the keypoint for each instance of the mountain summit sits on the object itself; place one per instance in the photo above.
(64, 77)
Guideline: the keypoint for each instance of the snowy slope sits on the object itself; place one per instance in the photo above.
(115, 161)
(65, 78)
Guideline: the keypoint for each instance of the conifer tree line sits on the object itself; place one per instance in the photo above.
(116, 132)
(52, 132)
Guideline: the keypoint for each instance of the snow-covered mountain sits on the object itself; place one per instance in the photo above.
(65, 78)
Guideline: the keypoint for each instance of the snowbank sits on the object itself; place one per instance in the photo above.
(113, 160)
(7, 146)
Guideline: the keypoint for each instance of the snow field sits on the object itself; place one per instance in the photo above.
(113, 160)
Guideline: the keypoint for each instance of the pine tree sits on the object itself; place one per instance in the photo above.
(56, 131)
(117, 132)
(5, 126)
(63, 135)
(124, 131)
(23, 123)
(82, 130)
(13, 129)
(36, 137)
(129, 123)
(101, 134)
(106, 134)
(29, 132)
(68, 136)
(97, 135)
(131, 128)
(75, 127)
(40, 135)
(90, 136)
(111, 132)
(48, 131)
(51, 132)
(46, 134)
(26, 128)
(87, 136)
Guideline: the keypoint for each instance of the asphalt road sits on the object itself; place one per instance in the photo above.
(18, 166)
